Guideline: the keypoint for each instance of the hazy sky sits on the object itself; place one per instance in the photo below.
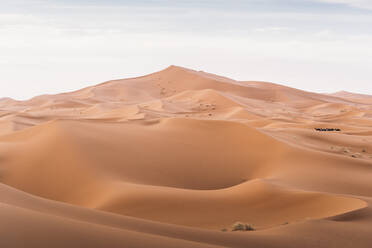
(51, 46)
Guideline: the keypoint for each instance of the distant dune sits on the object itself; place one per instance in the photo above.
(173, 158)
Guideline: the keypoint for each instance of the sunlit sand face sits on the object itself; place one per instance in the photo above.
(182, 158)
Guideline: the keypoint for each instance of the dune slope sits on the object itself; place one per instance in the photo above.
(172, 158)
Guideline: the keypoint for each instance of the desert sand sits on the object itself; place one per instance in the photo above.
(172, 158)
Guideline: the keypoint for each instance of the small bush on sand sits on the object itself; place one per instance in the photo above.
(356, 155)
(238, 226)
(346, 150)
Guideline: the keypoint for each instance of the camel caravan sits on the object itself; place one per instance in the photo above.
(327, 129)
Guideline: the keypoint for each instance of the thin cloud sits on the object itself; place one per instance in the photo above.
(363, 4)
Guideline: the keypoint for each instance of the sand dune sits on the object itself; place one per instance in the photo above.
(172, 158)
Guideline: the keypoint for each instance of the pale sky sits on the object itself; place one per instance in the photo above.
(53, 46)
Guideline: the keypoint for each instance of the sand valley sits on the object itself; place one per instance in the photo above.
(175, 158)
